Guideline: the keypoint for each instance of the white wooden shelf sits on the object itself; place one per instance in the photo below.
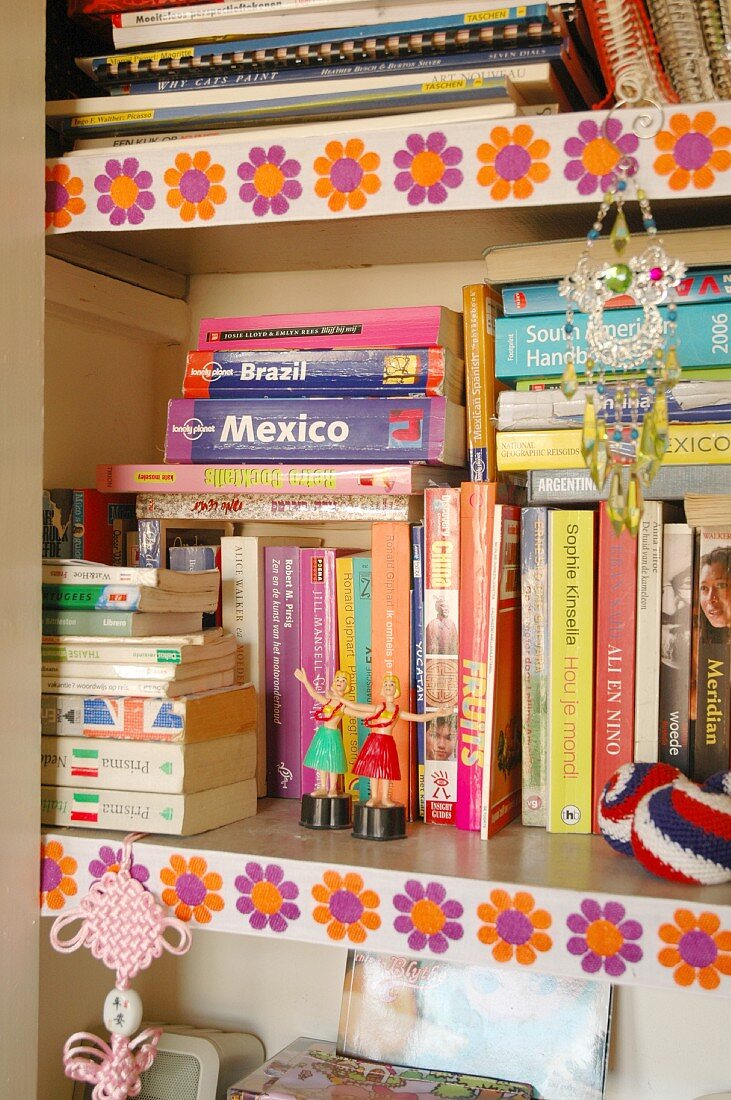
(520, 867)
(518, 179)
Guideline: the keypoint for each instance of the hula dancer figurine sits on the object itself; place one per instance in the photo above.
(380, 818)
(328, 807)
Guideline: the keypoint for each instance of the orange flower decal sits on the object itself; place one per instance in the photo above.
(195, 186)
(56, 871)
(345, 907)
(190, 889)
(347, 175)
(698, 952)
(692, 149)
(514, 926)
(62, 196)
(513, 162)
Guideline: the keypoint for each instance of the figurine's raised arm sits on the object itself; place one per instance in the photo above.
(301, 675)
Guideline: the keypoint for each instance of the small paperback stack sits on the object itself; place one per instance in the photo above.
(141, 723)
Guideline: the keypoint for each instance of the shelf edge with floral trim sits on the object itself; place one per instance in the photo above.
(622, 938)
(280, 175)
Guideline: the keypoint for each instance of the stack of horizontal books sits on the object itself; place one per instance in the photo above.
(202, 68)
(142, 723)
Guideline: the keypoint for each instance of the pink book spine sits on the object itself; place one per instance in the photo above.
(408, 326)
(271, 479)
(319, 634)
(441, 651)
(282, 651)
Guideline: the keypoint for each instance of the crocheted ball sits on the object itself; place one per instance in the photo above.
(682, 831)
(620, 797)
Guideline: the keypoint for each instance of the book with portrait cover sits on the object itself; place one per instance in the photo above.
(712, 733)
(488, 1021)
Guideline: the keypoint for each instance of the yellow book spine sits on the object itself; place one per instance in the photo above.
(688, 445)
(346, 645)
(571, 671)
(481, 304)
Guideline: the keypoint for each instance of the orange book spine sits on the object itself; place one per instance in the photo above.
(390, 634)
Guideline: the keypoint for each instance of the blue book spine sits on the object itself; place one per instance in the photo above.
(509, 14)
(703, 284)
(362, 615)
(341, 429)
(388, 372)
(151, 544)
(677, 414)
(526, 346)
(492, 59)
(418, 705)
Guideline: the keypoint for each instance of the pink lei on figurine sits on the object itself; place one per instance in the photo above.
(123, 925)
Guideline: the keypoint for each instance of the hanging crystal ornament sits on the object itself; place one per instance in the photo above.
(625, 429)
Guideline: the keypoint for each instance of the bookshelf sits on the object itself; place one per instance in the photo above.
(135, 296)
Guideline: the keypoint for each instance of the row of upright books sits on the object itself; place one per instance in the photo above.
(626, 654)
(199, 69)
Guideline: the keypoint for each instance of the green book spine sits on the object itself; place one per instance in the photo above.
(362, 614)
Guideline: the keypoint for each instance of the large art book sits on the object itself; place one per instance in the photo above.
(488, 1021)
(345, 429)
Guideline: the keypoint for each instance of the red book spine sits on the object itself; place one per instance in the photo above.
(94, 514)
(616, 622)
(476, 523)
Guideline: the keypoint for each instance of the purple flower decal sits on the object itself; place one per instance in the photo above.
(110, 860)
(603, 937)
(428, 917)
(266, 897)
(269, 180)
(596, 152)
(427, 168)
(125, 194)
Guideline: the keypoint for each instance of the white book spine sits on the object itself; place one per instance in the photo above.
(150, 689)
(135, 765)
(647, 661)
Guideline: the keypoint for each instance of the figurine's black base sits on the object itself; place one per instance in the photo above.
(327, 812)
(379, 822)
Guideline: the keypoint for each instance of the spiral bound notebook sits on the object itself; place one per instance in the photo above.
(718, 44)
(628, 52)
(679, 31)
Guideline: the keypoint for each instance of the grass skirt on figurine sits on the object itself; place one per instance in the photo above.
(326, 752)
(378, 758)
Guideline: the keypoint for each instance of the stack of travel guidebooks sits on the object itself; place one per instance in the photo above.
(626, 642)
(142, 726)
(210, 67)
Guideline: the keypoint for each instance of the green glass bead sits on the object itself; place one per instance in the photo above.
(660, 413)
(569, 381)
(616, 501)
(618, 278)
(620, 235)
(671, 371)
(634, 505)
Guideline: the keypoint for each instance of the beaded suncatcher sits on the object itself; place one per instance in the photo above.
(123, 925)
(625, 429)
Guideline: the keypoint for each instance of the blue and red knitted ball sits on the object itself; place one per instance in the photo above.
(675, 828)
